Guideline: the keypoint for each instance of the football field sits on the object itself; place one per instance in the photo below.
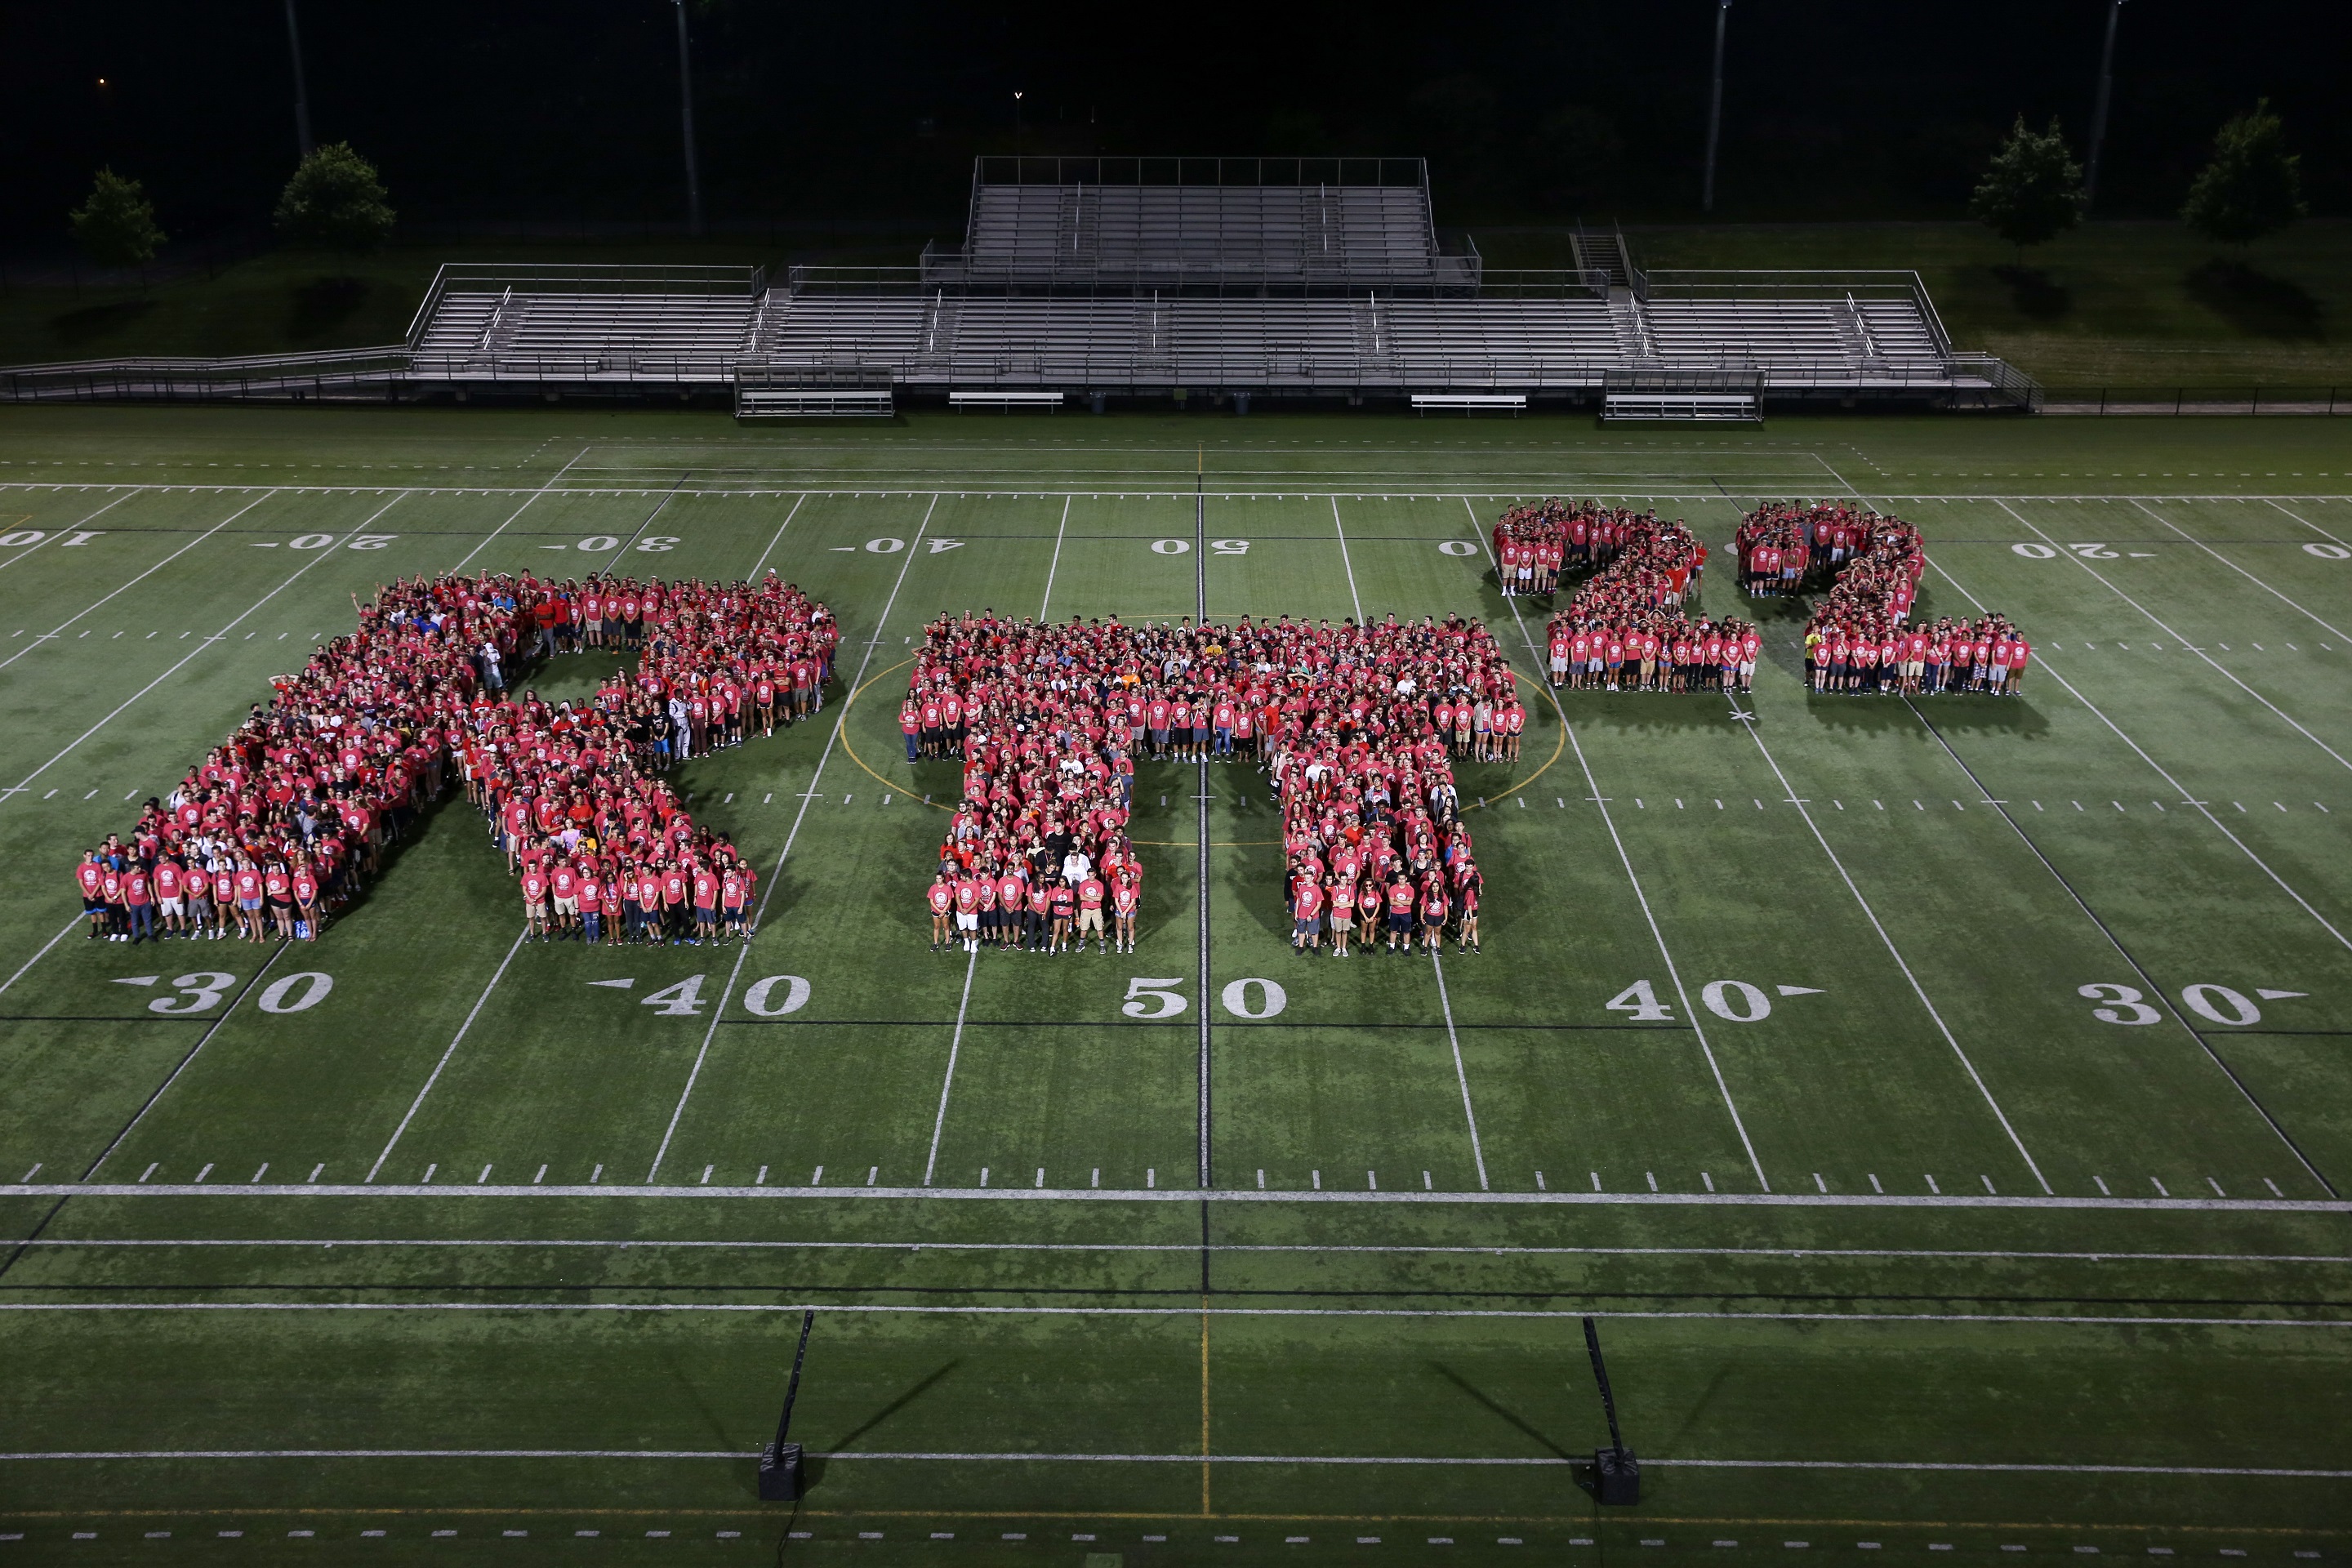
(1942, 1105)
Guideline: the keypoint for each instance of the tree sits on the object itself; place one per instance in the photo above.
(334, 202)
(2032, 190)
(116, 226)
(2252, 186)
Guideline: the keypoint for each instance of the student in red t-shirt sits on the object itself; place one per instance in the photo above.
(309, 917)
(138, 904)
(733, 891)
(941, 896)
(592, 892)
(90, 878)
(534, 904)
(246, 880)
(1090, 895)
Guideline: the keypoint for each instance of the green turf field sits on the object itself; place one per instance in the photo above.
(471, 1255)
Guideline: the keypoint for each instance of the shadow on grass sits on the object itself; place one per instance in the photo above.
(922, 1386)
(322, 305)
(2254, 302)
(2037, 296)
(1509, 1417)
(76, 327)
(1955, 713)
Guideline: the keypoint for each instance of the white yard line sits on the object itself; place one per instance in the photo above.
(801, 502)
(2186, 798)
(202, 1041)
(1056, 563)
(2185, 642)
(2121, 952)
(341, 540)
(1592, 786)
(661, 506)
(2241, 571)
(836, 1308)
(776, 874)
(1754, 731)
(955, 1048)
(94, 604)
(1461, 1077)
(66, 531)
(454, 1040)
(1008, 1457)
(64, 931)
(2305, 521)
(518, 511)
(1350, 565)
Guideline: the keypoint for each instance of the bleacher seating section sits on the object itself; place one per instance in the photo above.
(533, 327)
(1082, 287)
(1278, 233)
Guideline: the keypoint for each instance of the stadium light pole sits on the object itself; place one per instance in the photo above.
(1713, 108)
(686, 116)
(2099, 111)
(301, 89)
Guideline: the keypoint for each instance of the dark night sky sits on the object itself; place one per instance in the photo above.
(531, 109)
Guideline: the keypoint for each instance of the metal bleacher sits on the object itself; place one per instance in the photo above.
(1188, 223)
(1094, 279)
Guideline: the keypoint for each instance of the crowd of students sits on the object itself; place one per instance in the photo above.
(1625, 628)
(1361, 755)
(1860, 636)
(1357, 726)
(279, 827)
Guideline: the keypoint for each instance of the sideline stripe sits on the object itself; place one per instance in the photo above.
(838, 1309)
(1441, 1460)
(1810, 1253)
(865, 482)
(1188, 1195)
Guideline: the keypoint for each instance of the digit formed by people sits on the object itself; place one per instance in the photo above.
(1860, 636)
(282, 824)
(1624, 629)
(1357, 726)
